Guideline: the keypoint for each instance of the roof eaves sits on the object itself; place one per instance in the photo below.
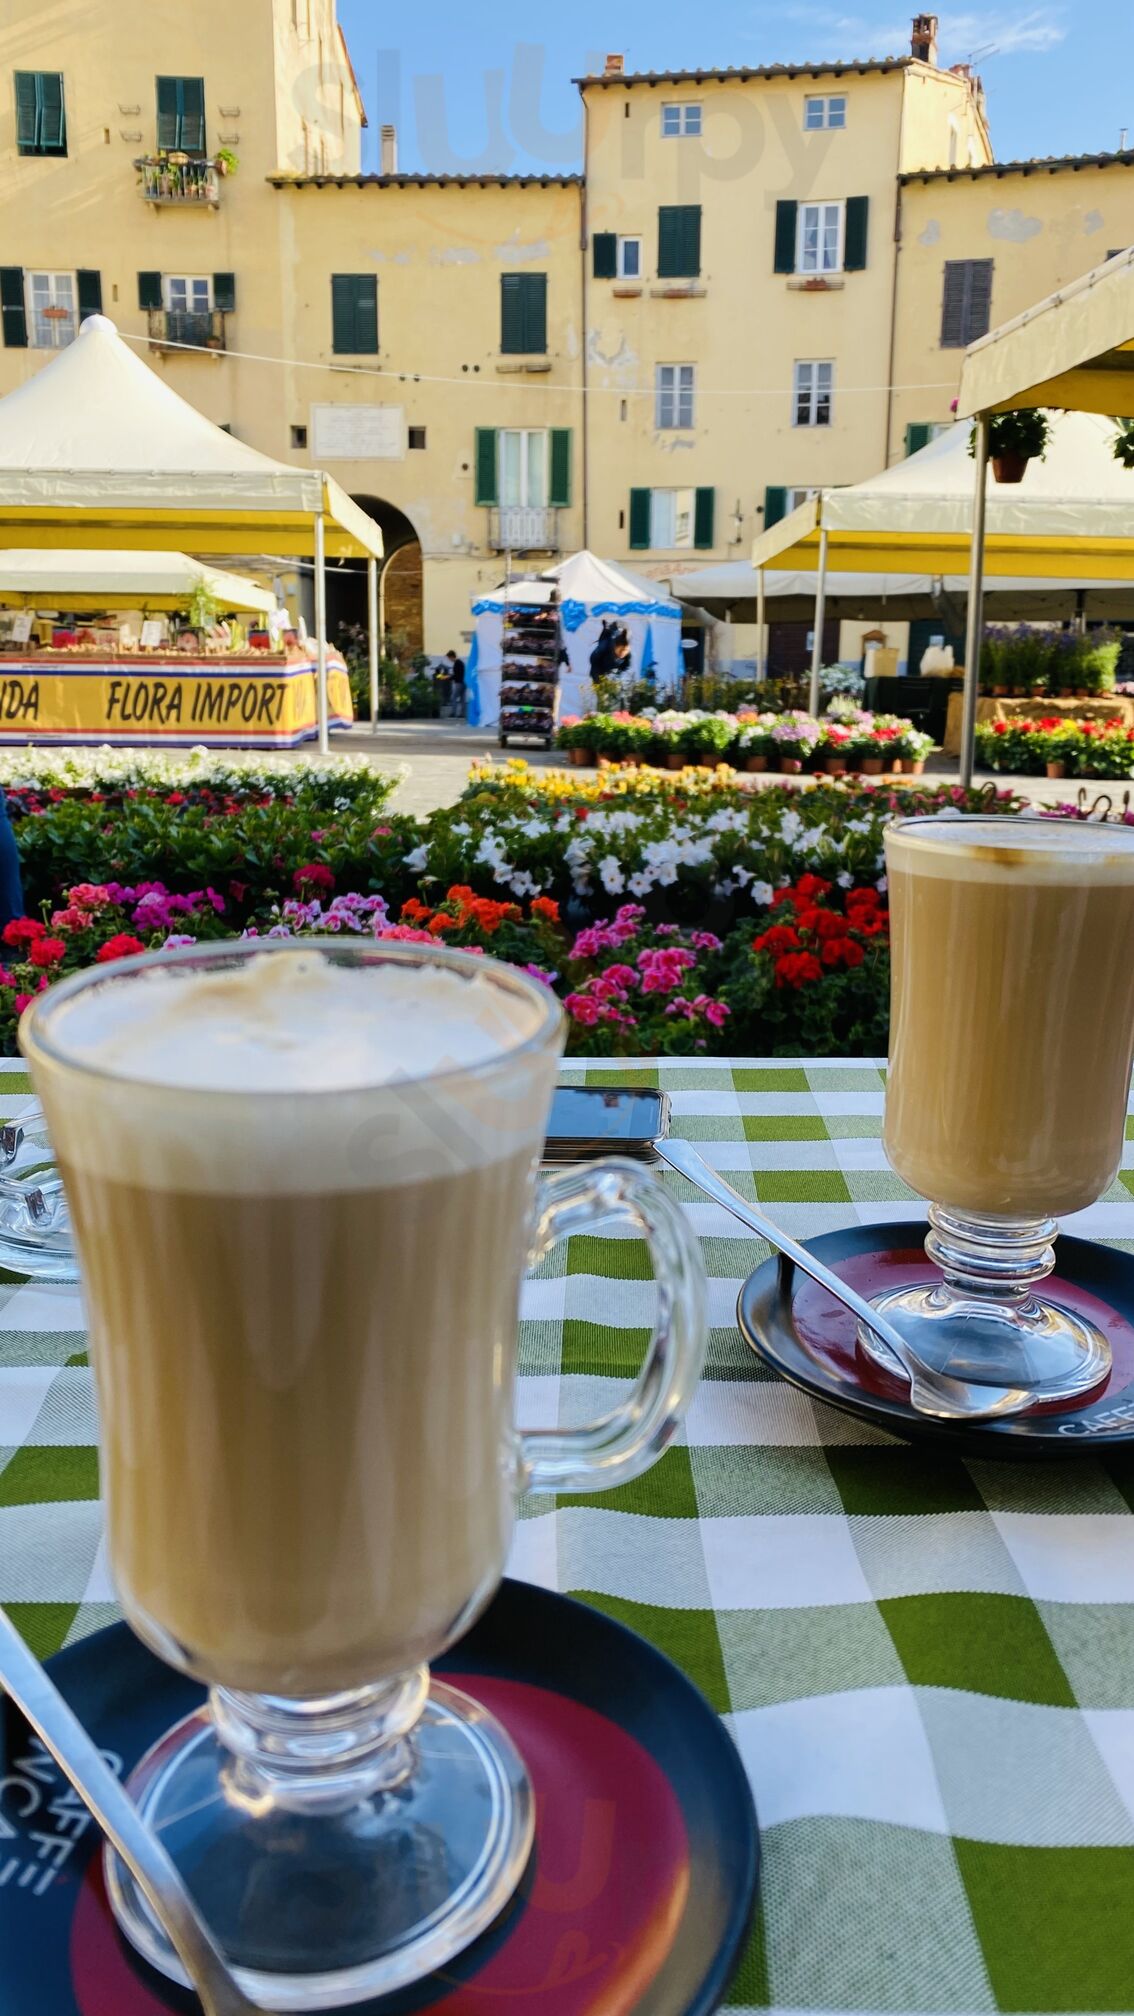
(1047, 164)
(712, 74)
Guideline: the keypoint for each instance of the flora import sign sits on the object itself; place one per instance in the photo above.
(220, 704)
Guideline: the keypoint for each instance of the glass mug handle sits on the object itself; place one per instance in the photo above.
(627, 1441)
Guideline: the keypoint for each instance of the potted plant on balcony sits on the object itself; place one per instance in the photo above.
(1014, 440)
(226, 161)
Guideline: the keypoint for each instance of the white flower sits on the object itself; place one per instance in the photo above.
(416, 860)
(762, 893)
(844, 879)
(611, 876)
(791, 826)
(882, 885)
(640, 883)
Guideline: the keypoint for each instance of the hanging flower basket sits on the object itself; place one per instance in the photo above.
(1014, 440)
(1009, 467)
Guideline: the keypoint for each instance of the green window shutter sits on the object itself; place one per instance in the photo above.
(27, 111)
(167, 113)
(149, 290)
(604, 247)
(52, 120)
(12, 313)
(191, 114)
(786, 214)
(775, 504)
(485, 460)
(90, 292)
(639, 519)
(918, 435)
(354, 314)
(511, 313)
(854, 234)
(224, 292)
(703, 501)
(679, 241)
(535, 312)
(559, 466)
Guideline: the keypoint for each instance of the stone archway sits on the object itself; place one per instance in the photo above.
(402, 581)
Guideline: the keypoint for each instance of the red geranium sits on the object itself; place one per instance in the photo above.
(23, 931)
(120, 947)
(47, 951)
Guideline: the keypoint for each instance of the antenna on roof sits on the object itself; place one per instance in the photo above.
(986, 49)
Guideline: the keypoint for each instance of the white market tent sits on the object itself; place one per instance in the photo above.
(591, 591)
(730, 590)
(96, 451)
(1069, 518)
(86, 578)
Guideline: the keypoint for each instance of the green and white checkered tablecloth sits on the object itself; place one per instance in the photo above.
(927, 1663)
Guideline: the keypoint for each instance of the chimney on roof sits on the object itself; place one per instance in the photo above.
(923, 42)
(614, 66)
(388, 138)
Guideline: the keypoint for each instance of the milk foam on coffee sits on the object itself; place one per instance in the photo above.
(307, 1071)
(293, 1023)
(1012, 1010)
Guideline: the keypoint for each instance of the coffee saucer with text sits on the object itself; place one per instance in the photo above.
(809, 1337)
(640, 1889)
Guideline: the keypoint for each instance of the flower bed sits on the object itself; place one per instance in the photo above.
(675, 913)
(1057, 747)
(1039, 659)
(847, 738)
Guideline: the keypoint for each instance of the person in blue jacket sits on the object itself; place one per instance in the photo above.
(11, 887)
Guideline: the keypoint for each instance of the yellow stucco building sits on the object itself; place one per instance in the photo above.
(759, 280)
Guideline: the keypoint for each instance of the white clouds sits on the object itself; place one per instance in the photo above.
(1005, 30)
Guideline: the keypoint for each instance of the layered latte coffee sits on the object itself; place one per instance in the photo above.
(301, 1226)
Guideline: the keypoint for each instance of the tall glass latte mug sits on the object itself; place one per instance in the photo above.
(303, 1182)
(1011, 1039)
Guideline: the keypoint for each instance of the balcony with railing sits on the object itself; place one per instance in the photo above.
(524, 528)
(194, 328)
(187, 180)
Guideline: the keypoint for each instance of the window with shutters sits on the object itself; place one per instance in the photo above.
(629, 259)
(680, 121)
(354, 314)
(966, 302)
(523, 314)
(824, 114)
(819, 238)
(51, 310)
(811, 395)
(673, 395)
(671, 519)
(919, 433)
(679, 241)
(41, 121)
(181, 115)
(522, 465)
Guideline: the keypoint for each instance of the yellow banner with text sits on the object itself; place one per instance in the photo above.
(170, 703)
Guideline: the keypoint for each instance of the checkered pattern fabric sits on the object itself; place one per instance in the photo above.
(927, 1664)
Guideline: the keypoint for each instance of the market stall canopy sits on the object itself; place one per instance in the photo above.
(1076, 349)
(96, 451)
(1071, 517)
(85, 579)
(730, 588)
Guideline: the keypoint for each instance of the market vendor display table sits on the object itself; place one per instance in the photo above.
(927, 1663)
(171, 699)
(1107, 707)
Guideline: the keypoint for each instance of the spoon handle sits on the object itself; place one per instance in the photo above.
(685, 1159)
(34, 1692)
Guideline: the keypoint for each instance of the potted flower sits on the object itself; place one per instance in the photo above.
(705, 739)
(567, 738)
(914, 748)
(1054, 741)
(834, 749)
(754, 745)
(1014, 440)
(795, 736)
(666, 743)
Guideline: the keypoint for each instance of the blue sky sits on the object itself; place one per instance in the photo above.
(470, 87)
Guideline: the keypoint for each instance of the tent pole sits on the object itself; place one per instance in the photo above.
(761, 640)
(321, 634)
(974, 614)
(374, 636)
(817, 634)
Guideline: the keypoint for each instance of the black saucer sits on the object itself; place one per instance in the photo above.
(809, 1337)
(642, 1881)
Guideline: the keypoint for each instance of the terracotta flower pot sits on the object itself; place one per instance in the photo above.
(1067, 692)
(576, 756)
(706, 763)
(873, 766)
(835, 766)
(1010, 467)
(586, 757)
(895, 766)
(790, 765)
(999, 692)
(673, 761)
(1057, 769)
(756, 763)
(915, 765)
